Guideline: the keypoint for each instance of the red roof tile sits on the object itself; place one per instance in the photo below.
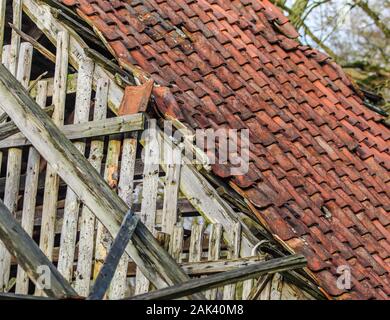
(320, 160)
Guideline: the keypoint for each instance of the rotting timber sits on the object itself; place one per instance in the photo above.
(96, 193)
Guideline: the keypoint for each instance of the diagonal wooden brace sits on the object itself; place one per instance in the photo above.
(30, 257)
(107, 272)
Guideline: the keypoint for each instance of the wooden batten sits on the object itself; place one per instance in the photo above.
(83, 179)
(87, 229)
(72, 202)
(85, 130)
(30, 192)
(3, 6)
(29, 256)
(14, 163)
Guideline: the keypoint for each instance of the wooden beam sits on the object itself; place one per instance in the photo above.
(71, 85)
(171, 193)
(199, 284)
(29, 256)
(119, 285)
(206, 200)
(72, 203)
(215, 210)
(22, 297)
(229, 292)
(106, 274)
(77, 27)
(3, 6)
(9, 128)
(87, 219)
(45, 52)
(90, 129)
(58, 5)
(30, 194)
(14, 161)
(79, 175)
(259, 287)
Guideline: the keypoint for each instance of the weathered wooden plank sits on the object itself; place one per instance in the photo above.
(72, 203)
(30, 193)
(206, 200)
(194, 268)
(276, 287)
(214, 252)
(58, 5)
(265, 294)
(5, 59)
(259, 288)
(189, 143)
(18, 297)
(117, 249)
(42, 16)
(87, 229)
(4, 255)
(247, 286)
(3, 6)
(111, 176)
(10, 200)
(90, 129)
(45, 52)
(47, 233)
(150, 176)
(195, 253)
(76, 171)
(171, 192)
(291, 292)
(15, 38)
(118, 288)
(29, 256)
(176, 242)
(229, 292)
(71, 85)
(35, 13)
(211, 267)
(14, 162)
(149, 191)
(214, 281)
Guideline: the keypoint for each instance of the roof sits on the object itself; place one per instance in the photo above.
(319, 170)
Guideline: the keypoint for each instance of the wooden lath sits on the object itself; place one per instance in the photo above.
(119, 162)
(228, 277)
(14, 161)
